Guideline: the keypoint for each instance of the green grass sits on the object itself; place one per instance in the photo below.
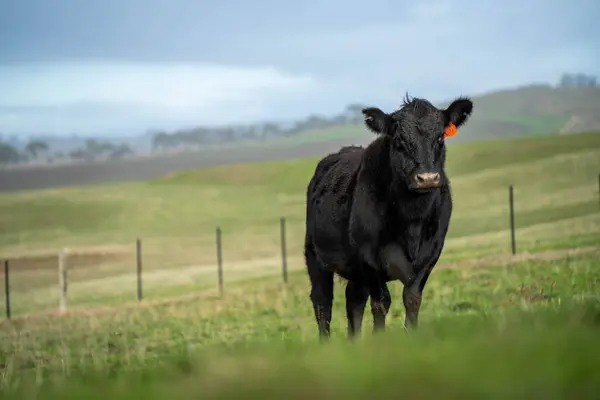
(235, 196)
(556, 205)
(498, 326)
(524, 330)
(539, 124)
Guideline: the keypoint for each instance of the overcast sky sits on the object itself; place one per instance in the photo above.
(124, 66)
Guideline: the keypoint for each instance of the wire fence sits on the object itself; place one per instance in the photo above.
(67, 260)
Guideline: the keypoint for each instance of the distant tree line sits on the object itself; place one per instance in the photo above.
(39, 150)
(577, 80)
(195, 138)
(202, 136)
(10, 154)
(94, 149)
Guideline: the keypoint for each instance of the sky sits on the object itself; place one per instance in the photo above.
(122, 67)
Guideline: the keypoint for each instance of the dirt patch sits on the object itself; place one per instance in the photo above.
(104, 310)
(76, 259)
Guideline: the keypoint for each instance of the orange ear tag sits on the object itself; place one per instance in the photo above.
(450, 130)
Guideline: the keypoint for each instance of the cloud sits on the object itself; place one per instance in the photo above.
(445, 48)
(262, 60)
(95, 96)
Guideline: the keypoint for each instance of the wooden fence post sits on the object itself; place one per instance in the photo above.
(139, 268)
(512, 220)
(219, 261)
(62, 278)
(283, 249)
(7, 288)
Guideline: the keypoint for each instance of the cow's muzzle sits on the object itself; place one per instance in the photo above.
(426, 180)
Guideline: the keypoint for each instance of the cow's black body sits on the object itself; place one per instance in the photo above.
(367, 224)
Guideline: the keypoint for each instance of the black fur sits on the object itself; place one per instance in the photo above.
(367, 223)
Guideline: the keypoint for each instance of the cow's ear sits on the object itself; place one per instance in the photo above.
(459, 111)
(376, 120)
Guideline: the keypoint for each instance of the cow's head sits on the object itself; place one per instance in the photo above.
(416, 135)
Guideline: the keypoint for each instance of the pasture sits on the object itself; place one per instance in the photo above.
(524, 330)
(556, 206)
(480, 304)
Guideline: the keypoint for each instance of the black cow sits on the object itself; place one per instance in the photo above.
(381, 213)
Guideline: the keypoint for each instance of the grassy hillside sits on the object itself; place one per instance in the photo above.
(535, 110)
(556, 202)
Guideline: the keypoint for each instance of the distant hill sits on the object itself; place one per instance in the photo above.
(518, 112)
(533, 110)
(523, 111)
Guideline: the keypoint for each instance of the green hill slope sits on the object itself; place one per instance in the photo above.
(534, 110)
(548, 172)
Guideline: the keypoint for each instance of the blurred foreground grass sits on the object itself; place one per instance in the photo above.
(528, 330)
(549, 355)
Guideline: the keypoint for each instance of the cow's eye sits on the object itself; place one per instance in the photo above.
(398, 143)
(401, 145)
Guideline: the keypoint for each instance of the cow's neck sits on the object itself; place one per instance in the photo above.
(412, 212)
(410, 206)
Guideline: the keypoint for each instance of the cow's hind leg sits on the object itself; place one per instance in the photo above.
(356, 299)
(411, 296)
(321, 293)
(381, 300)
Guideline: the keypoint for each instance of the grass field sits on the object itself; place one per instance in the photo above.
(556, 205)
(481, 304)
(525, 330)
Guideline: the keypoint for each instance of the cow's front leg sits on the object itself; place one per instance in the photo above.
(412, 295)
(381, 300)
(356, 299)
